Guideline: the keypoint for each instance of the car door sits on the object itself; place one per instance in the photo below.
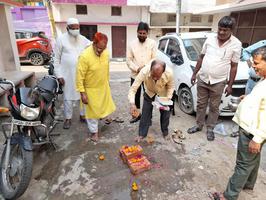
(173, 51)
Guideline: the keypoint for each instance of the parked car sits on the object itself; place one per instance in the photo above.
(180, 52)
(33, 46)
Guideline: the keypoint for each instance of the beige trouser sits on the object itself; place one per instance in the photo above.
(208, 95)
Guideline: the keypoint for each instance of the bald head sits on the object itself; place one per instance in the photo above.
(157, 69)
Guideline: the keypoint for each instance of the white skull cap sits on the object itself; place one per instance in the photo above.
(72, 21)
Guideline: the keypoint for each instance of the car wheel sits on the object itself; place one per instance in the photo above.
(185, 100)
(36, 58)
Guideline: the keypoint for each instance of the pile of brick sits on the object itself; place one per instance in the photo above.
(133, 157)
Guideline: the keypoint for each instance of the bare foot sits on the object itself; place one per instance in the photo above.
(95, 137)
(167, 137)
(139, 139)
(218, 196)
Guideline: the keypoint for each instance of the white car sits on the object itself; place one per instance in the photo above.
(180, 52)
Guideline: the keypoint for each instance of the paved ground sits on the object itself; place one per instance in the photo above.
(179, 172)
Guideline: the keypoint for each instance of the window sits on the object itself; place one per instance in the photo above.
(162, 44)
(116, 11)
(171, 18)
(81, 9)
(193, 47)
(195, 18)
(210, 18)
(173, 48)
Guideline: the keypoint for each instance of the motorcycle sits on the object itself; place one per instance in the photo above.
(33, 119)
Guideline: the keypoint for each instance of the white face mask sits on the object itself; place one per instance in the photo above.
(74, 33)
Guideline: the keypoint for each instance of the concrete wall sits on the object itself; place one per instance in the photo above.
(220, 2)
(216, 19)
(98, 14)
(160, 19)
(9, 60)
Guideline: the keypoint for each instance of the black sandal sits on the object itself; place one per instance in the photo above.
(194, 129)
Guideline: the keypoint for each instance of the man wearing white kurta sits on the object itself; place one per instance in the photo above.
(67, 50)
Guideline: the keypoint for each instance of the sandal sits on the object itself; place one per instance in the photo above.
(234, 134)
(108, 121)
(180, 134)
(176, 139)
(194, 129)
(118, 120)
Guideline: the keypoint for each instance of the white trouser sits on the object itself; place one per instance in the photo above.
(68, 108)
(92, 125)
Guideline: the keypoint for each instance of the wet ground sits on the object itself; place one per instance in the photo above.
(185, 171)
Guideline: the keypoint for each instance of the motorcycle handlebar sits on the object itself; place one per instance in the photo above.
(8, 82)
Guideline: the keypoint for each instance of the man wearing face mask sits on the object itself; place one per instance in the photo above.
(141, 52)
(67, 50)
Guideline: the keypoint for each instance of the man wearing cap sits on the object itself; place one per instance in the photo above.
(67, 50)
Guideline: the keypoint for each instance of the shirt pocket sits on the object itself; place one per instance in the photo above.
(228, 54)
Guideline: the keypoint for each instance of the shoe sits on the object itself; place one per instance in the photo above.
(82, 118)
(67, 124)
(194, 129)
(210, 135)
(134, 120)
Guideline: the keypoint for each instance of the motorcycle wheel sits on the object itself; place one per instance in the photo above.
(15, 180)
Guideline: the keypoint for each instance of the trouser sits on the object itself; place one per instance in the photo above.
(137, 96)
(92, 125)
(146, 117)
(246, 169)
(208, 95)
(68, 108)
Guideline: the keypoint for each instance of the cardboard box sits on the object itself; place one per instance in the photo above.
(138, 164)
(164, 101)
(127, 152)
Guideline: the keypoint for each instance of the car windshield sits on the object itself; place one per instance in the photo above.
(193, 47)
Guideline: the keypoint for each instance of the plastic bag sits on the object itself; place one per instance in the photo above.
(219, 129)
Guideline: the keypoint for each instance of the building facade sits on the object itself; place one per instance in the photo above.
(163, 16)
(119, 18)
(114, 18)
(31, 18)
(250, 18)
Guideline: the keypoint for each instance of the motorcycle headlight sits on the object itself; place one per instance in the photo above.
(29, 113)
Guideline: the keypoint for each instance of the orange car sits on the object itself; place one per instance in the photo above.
(34, 47)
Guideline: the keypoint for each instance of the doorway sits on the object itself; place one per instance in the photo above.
(119, 40)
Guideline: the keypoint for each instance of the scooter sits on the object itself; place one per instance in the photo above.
(33, 119)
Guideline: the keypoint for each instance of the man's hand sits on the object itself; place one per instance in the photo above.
(133, 109)
(254, 147)
(140, 68)
(84, 97)
(242, 97)
(61, 81)
(193, 79)
(228, 90)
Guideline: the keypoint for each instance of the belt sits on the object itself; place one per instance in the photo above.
(255, 79)
(247, 134)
